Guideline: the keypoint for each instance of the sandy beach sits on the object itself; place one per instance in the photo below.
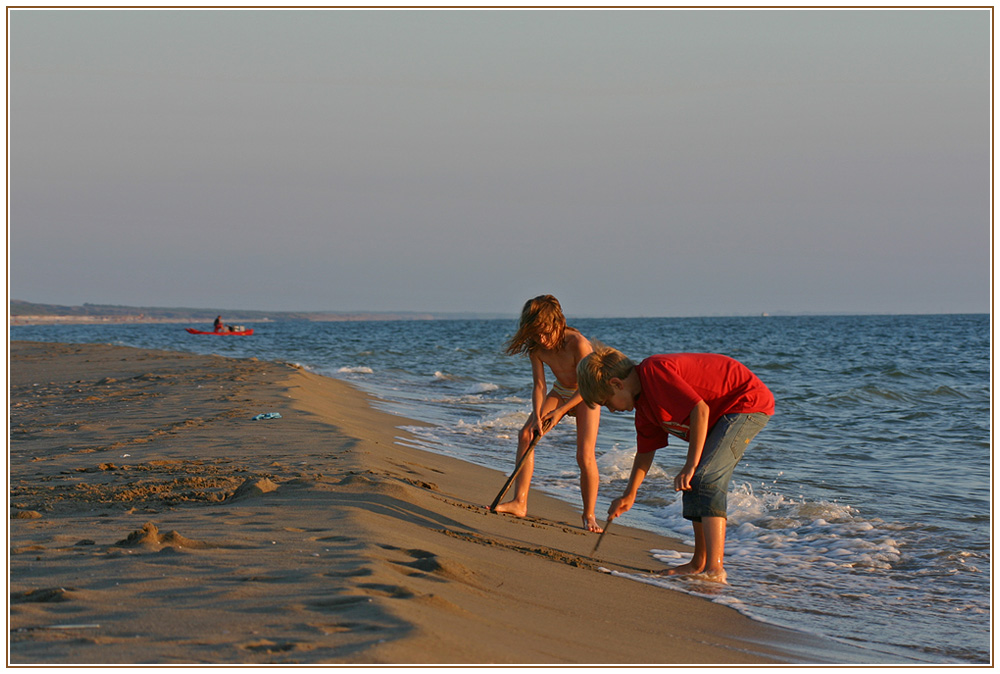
(152, 520)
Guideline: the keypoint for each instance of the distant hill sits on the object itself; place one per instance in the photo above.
(28, 312)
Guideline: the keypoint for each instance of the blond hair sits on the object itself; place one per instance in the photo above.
(540, 315)
(596, 370)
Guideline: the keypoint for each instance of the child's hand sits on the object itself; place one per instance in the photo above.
(543, 425)
(550, 420)
(683, 480)
(536, 425)
(620, 506)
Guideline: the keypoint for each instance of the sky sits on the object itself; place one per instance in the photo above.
(633, 163)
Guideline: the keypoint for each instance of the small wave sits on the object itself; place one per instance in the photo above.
(768, 529)
(879, 394)
(358, 369)
(504, 424)
(947, 391)
(873, 393)
(827, 547)
(616, 464)
(897, 373)
(777, 367)
(483, 387)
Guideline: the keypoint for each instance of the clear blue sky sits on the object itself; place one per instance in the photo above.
(654, 162)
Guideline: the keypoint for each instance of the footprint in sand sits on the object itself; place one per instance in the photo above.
(350, 573)
(391, 591)
(336, 539)
(340, 627)
(340, 603)
(266, 646)
(429, 565)
(44, 596)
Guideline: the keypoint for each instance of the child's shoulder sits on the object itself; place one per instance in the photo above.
(572, 336)
(576, 343)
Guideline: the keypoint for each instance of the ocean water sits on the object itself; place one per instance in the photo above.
(861, 513)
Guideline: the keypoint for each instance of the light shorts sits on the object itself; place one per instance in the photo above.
(724, 448)
(564, 393)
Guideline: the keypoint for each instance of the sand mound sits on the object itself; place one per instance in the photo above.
(150, 536)
(251, 488)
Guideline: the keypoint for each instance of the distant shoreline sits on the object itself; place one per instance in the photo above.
(97, 320)
(30, 313)
(230, 318)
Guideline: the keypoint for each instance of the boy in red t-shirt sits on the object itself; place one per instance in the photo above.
(713, 402)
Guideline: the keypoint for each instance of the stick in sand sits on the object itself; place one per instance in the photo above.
(517, 467)
(601, 537)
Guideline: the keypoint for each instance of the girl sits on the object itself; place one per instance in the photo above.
(544, 336)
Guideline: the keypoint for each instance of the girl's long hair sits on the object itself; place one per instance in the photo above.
(541, 315)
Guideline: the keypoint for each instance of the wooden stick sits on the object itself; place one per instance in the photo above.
(601, 537)
(517, 468)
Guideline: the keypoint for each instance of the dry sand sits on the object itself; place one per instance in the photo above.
(153, 521)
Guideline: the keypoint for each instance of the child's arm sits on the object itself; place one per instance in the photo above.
(538, 390)
(697, 433)
(557, 414)
(640, 466)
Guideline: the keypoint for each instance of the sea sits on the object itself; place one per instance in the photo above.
(861, 513)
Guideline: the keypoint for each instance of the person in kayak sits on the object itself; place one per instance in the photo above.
(219, 327)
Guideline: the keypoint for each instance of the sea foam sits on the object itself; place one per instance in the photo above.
(357, 369)
(482, 387)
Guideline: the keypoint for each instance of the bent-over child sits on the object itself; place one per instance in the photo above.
(544, 336)
(713, 402)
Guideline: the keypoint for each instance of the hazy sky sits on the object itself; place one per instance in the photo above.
(653, 162)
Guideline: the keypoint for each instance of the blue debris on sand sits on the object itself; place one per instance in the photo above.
(267, 415)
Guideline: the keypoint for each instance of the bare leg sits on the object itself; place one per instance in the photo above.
(697, 562)
(709, 549)
(714, 531)
(518, 506)
(587, 422)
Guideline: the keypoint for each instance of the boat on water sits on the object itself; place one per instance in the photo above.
(240, 331)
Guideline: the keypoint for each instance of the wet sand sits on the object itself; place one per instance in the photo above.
(153, 521)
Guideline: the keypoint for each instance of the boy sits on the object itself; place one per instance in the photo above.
(710, 400)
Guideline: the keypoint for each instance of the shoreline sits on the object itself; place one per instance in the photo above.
(153, 521)
(118, 320)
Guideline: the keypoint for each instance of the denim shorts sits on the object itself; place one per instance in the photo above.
(724, 448)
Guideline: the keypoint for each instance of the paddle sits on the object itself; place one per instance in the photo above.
(601, 537)
(517, 467)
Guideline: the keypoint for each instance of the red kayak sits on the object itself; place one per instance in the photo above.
(220, 332)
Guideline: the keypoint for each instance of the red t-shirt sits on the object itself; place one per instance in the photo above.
(673, 383)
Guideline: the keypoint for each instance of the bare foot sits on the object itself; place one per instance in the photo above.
(712, 576)
(590, 524)
(682, 570)
(513, 508)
